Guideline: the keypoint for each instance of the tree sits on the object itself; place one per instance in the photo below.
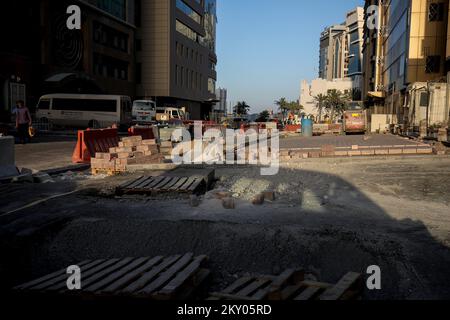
(320, 100)
(336, 102)
(263, 116)
(282, 106)
(295, 107)
(241, 108)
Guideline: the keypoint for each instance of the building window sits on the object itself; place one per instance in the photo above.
(138, 73)
(138, 44)
(436, 12)
(110, 67)
(181, 76)
(115, 7)
(109, 37)
(211, 86)
(433, 64)
(189, 11)
(424, 99)
(186, 31)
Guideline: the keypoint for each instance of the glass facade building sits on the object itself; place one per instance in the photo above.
(396, 44)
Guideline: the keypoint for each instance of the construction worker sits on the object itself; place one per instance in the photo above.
(23, 122)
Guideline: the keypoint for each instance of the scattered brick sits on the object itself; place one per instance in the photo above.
(269, 195)
(258, 200)
(228, 203)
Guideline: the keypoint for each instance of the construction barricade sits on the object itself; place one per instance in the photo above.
(91, 142)
(147, 133)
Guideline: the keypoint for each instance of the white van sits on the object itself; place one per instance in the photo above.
(84, 110)
(144, 111)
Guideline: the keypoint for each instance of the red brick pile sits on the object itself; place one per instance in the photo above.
(131, 150)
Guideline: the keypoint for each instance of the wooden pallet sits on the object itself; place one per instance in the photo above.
(149, 185)
(160, 278)
(290, 285)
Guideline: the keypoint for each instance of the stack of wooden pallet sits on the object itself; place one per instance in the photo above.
(131, 150)
(291, 285)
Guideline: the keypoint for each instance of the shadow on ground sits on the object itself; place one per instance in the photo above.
(329, 228)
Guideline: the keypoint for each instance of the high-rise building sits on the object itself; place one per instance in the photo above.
(176, 56)
(341, 48)
(221, 106)
(341, 51)
(41, 55)
(333, 53)
(407, 46)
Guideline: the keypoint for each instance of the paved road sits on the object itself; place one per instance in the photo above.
(47, 152)
(345, 141)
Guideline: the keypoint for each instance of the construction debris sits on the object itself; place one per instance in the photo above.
(131, 151)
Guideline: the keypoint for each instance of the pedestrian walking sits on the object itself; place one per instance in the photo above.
(23, 122)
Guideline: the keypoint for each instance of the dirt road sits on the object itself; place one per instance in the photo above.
(331, 216)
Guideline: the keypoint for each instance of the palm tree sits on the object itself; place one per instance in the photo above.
(282, 106)
(241, 108)
(320, 100)
(336, 102)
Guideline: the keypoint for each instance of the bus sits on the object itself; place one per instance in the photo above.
(84, 110)
(355, 120)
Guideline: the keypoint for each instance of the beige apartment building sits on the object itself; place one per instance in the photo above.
(408, 47)
(176, 56)
(308, 92)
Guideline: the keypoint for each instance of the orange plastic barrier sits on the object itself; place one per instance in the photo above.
(145, 133)
(293, 128)
(92, 141)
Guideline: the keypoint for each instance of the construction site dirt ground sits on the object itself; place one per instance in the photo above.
(330, 216)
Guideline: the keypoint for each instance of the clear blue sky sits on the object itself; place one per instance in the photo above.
(265, 47)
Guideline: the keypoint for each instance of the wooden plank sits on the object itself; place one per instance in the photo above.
(136, 182)
(145, 183)
(348, 282)
(183, 276)
(116, 275)
(61, 286)
(290, 291)
(61, 280)
(174, 181)
(308, 294)
(293, 276)
(253, 287)
(156, 181)
(196, 184)
(179, 184)
(128, 183)
(131, 276)
(46, 278)
(149, 276)
(238, 284)
(188, 183)
(165, 181)
(167, 275)
(105, 272)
